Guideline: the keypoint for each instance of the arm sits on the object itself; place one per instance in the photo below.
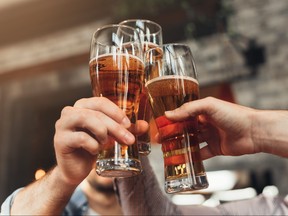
(260, 205)
(46, 196)
(80, 133)
(141, 195)
(231, 129)
(269, 132)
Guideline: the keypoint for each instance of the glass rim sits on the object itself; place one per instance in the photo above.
(164, 48)
(186, 46)
(144, 20)
(95, 43)
(112, 26)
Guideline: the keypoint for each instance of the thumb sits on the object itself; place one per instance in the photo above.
(192, 109)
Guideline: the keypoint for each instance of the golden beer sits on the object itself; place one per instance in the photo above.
(120, 79)
(144, 112)
(179, 140)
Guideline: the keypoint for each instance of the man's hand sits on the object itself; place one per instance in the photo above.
(80, 133)
(83, 129)
(226, 127)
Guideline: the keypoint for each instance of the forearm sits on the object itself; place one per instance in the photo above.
(270, 132)
(141, 195)
(47, 196)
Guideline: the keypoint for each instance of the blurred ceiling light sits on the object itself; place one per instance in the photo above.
(188, 199)
(220, 180)
(270, 191)
(286, 199)
(39, 174)
(234, 195)
(9, 3)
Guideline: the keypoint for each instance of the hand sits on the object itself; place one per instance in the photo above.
(226, 127)
(83, 129)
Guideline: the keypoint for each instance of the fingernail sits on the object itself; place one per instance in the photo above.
(129, 138)
(125, 121)
(168, 112)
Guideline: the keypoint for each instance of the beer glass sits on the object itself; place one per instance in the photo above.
(151, 36)
(171, 82)
(117, 72)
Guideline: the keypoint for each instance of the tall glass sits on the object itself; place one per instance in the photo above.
(151, 36)
(117, 72)
(171, 82)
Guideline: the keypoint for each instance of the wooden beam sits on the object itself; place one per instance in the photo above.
(49, 51)
(47, 67)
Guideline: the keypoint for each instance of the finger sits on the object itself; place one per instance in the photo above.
(70, 141)
(193, 108)
(99, 124)
(106, 106)
(141, 127)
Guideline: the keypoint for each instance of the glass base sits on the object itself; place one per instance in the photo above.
(118, 168)
(144, 148)
(185, 185)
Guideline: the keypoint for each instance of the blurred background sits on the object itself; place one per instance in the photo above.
(240, 48)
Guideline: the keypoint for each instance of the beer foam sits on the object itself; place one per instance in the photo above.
(149, 45)
(121, 54)
(171, 77)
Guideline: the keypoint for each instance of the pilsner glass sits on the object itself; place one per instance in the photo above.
(151, 36)
(117, 72)
(171, 82)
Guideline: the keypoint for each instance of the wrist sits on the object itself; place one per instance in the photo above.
(46, 196)
(61, 187)
(256, 133)
(269, 132)
(62, 181)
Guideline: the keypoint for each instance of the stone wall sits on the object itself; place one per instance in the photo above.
(219, 57)
(218, 61)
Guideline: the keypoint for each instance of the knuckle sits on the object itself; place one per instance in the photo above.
(102, 135)
(58, 140)
(82, 137)
(57, 124)
(210, 99)
(185, 106)
(66, 110)
(79, 102)
(81, 116)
